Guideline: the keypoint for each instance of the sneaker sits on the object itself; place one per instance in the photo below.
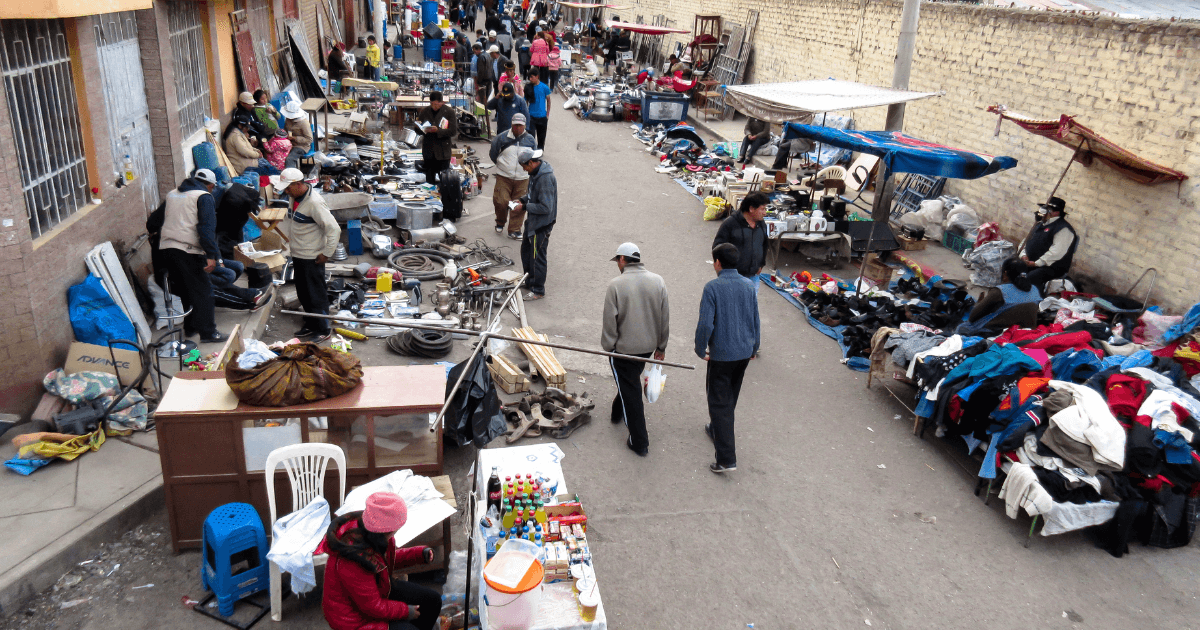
(629, 444)
(263, 298)
(516, 236)
(531, 296)
(318, 337)
(717, 468)
(709, 432)
(500, 229)
(216, 337)
(304, 332)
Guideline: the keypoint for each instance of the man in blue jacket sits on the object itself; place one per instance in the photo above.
(727, 336)
(541, 206)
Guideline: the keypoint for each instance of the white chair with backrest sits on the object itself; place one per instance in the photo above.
(305, 465)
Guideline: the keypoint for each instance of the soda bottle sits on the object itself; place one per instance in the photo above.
(540, 512)
(537, 539)
(508, 485)
(529, 483)
(494, 491)
(509, 516)
(525, 533)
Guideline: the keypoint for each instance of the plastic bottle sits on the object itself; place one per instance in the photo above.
(508, 485)
(493, 487)
(539, 532)
(128, 168)
(540, 512)
(537, 539)
(510, 516)
(526, 534)
(383, 284)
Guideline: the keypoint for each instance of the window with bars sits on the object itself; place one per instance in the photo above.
(191, 67)
(35, 64)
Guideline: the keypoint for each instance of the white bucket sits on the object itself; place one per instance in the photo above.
(513, 581)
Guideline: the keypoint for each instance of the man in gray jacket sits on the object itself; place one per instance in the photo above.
(636, 321)
(541, 204)
(314, 237)
(511, 179)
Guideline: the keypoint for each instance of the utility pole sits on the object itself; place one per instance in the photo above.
(909, 17)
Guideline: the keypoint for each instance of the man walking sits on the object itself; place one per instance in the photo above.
(507, 105)
(511, 180)
(541, 204)
(727, 336)
(440, 127)
(636, 321)
(747, 232)
(187, 245)
(314, 237)
(539, 108)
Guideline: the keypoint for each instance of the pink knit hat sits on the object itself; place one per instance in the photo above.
(385, 513)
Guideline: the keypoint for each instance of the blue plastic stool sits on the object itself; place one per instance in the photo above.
(233, 564)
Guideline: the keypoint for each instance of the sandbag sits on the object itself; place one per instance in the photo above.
(302, 373)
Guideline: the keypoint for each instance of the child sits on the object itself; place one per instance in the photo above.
(510, 76)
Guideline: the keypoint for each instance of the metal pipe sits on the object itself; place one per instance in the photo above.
(476, 333)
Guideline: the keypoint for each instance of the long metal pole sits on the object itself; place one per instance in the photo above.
(549, 344)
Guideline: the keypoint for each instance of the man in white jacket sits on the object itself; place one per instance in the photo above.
(314, 237)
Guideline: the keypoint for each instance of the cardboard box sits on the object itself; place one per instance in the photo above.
(554, 511)
(910, 244)
(86, 357)
(269, 241)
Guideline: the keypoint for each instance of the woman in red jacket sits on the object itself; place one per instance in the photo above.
(359, 592)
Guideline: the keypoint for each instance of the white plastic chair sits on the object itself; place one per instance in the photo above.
(305, 465)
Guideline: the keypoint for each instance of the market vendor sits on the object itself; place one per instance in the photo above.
(757, 135)
(1050, 246)
(1012, 303)
(359, 592)
(746, 231)
(441, 127)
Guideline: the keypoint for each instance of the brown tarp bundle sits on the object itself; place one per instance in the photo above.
(302, 373)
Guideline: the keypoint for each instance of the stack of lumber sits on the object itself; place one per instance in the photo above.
(541, 358)
(507, 375)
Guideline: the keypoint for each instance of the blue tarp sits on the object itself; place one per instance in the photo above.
(858, 364)
(905, 154)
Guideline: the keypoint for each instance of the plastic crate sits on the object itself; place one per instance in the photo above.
(956, 243)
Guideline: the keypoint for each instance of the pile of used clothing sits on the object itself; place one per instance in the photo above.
(1088, 429)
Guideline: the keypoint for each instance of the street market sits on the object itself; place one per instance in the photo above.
(360, 404)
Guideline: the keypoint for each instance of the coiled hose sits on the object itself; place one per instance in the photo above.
(430, 344)
(420, 263)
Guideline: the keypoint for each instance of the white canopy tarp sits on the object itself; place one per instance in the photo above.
(798, 101)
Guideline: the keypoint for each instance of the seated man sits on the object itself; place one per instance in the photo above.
(1050, 246)
(226, 294)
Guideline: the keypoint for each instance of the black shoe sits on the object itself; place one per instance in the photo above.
(709, 432)
(616, 420)
(717, 468)
(216, 337)
(190, 333)
(629, 443)
(304, 332)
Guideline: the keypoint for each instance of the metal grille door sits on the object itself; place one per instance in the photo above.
(36, 66)
(125, 98)
(191, 67)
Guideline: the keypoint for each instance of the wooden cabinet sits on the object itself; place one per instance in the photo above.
(210, 458)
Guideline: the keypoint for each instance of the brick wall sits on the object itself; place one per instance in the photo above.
(158, 68)
(35, 275)
(1133, 81)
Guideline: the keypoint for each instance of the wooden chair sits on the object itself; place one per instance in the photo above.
(305, 465)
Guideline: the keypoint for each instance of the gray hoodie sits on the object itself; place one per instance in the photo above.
(541, 202)
(637, 317)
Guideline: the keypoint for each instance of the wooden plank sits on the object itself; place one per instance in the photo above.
(234, 343)
(442, 484)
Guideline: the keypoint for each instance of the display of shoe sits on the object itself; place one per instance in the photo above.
(717, 468)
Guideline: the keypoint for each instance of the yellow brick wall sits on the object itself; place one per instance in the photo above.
(1132, 81)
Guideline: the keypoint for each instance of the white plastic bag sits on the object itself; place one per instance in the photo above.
(653, 382)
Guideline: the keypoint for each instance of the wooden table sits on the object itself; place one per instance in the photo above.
(409, 107)
(213, 457)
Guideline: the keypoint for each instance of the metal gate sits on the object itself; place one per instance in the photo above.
(125, 98)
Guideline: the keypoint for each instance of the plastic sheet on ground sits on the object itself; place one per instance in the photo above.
(858, 364)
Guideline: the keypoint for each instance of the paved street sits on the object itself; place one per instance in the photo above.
(837, 517)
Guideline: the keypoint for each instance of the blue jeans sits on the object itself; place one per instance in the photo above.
(223, 279)
(265, 167)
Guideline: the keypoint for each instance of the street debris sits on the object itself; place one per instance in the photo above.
(881, 466)
(925, 519)
(75, 602)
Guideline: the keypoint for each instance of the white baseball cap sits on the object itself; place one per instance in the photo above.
(206, 176)
(246, 97)
(288, 177)
(494, 49)
(491, 33)
(628, 250)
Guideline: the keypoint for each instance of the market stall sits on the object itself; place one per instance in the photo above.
(557, 601)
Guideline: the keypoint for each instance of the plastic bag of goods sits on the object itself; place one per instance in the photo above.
(653, 382)
(962, 219)
(929, 216)
(986, 261)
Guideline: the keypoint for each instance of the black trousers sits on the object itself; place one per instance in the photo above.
(533, 259)
(429, 601)
(188, 280)
(750, 147)
(723, 383)
(539, 129)
(1039, 276)
(781, 158)
(433, 166)
(627, 405)
(310, 288)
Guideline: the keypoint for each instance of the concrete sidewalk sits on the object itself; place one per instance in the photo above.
(60, 514)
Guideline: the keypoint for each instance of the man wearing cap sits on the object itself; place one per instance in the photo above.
(295, 122)
(541, 205)
(440, 127)
(1050, 246)
(187, 247)
(636, 321)
(314, 236)
(511, 180)
(498, 62)
(244, 111)
(507, 105)
(359, 592)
